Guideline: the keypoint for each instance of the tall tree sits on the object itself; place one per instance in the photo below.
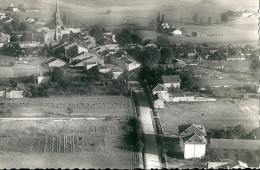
(57, 75)
(166, 55)
(64, 19)
(195, 18)
(209, 20)
(150, 55)
(224, 18)
(97, 31)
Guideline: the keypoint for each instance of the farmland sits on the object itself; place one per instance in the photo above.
(97, 107)
(58, 140)
(90, 143)
(143, 12)
(211, 115)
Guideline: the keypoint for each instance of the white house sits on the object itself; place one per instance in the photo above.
(57, 63)
(30, 20)
(89, 65)
(255, 87)
(158, 101)
(2, 15)
(43, 79)
(2, 93)
(4, 37)
(177, 32)
(171, 81)
(159, 88)
(192, 141)
(15, 9)
(116, 72)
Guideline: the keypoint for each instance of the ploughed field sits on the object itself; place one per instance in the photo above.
(69, 141)
(94, 107)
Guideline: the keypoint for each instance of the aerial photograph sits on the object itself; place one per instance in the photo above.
(129, 84)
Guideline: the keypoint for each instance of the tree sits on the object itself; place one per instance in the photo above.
(57, 75)
(195, 18)
(201, 21)
(36, 19)
(255, 64)
(224, 18)
(135, 52)
(109, 11)
(209, 20)
(163, 41)
(97, 31)
(150, 55)
(184, 31)
(69, 110)
(166, 55)
(64, 19)
(21, 7)
(128, 36)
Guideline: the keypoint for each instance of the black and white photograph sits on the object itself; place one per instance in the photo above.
(130, 84)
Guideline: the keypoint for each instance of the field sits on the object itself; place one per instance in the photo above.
(214, 115)
(93, 142)
(94, 107)
(239, 30)
(50, 141)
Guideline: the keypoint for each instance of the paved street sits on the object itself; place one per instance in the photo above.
(151, 152)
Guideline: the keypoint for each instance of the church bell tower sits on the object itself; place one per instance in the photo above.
(58, 24)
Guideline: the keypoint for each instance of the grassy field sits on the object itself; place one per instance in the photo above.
(97, 107)
(215, 115)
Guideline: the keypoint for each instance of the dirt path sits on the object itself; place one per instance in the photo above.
(151, 152)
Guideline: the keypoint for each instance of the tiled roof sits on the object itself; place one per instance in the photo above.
(117, 69)
(157, 96)
(185, 130)
(194, 139)
(171, 79)
(159, 87)
(238, 144)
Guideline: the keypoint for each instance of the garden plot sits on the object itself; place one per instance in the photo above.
(79, 107)
(46, 138)
(215, 115)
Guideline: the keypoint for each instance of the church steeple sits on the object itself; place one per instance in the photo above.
(58, 24)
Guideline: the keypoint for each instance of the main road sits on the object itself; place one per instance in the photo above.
(151, 151)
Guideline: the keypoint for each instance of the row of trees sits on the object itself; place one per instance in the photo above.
(223, 18)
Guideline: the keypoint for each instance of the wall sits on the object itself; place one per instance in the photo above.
(185, 98)
(14, 94)
(194, 151)
(43, 79)
(2, 93)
